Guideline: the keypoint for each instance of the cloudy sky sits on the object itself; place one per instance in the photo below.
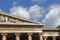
(46, 11)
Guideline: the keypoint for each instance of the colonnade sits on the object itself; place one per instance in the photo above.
(18, 36)
(53, 37)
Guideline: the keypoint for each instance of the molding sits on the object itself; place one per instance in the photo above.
(21, 18)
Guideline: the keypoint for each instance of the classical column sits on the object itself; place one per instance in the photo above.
(54, 38)
(17, 36)
(3, 36)
(40, 36)
(29, 36)
(45, 37)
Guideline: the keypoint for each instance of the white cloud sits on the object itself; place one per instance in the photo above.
(36, 12)
(39, 1)
(52, 19)
(19, 11)
(15, 2)
(0, 10)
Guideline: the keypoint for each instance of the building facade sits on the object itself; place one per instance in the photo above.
(18, 28)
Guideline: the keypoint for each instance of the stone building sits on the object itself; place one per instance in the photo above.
(51, 34)
(17, 28)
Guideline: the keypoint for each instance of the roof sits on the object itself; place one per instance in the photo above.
(58, 26)
(18, 17)
(51, 30)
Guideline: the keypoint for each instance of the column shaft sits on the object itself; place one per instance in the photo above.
(3, 36)
(17, 36)
(40, 35)
(54, 38)
(29, 36)
(45, 37)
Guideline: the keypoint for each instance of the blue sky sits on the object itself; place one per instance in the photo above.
(38, 10)
(6, 4)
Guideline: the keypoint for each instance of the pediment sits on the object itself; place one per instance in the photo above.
(12, 19)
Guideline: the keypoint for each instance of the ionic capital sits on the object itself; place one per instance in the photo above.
(3, 33)
(54, 36)
(40, 33)
(17, 33)
(29, 33)
(45, 37)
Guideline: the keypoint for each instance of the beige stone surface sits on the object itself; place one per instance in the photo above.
(50, 34)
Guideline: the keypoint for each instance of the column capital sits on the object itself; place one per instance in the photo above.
(17, 33)
(45, 37)
(30, 36)
(3, 36)
(3, 33)
(40, 33)
(17, 36)
(54, 36)
(30, 33)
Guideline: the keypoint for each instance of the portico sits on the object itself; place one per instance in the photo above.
(20, 32)
(19, 36)
(18, 28)
(51, 34)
